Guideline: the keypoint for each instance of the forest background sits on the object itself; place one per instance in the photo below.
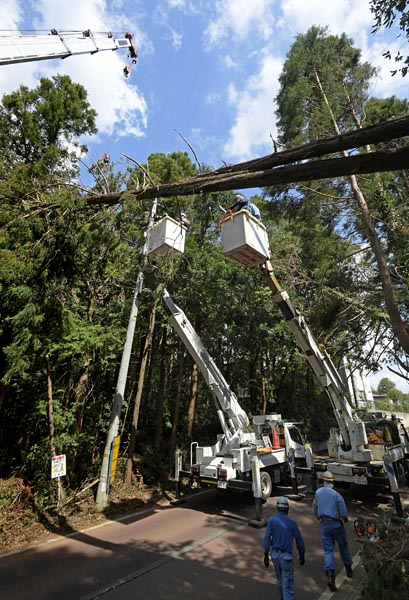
(67, 276)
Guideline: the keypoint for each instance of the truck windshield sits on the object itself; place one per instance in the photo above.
(295, 435)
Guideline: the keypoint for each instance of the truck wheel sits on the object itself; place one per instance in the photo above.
(266, 485)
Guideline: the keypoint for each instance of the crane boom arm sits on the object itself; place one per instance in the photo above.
(318, 359)
(27, 48)
(232, 417)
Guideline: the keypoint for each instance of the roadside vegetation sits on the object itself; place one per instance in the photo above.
(68, 271)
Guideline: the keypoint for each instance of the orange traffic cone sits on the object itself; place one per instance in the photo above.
(276, 441)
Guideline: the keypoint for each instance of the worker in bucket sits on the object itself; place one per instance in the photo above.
(330, 509)
(183, 219)
(241, 202)
(280, 533)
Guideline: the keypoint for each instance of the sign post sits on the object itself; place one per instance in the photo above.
(58, 470)
(178, 468)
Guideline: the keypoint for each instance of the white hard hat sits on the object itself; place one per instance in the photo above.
(282, 502)
(328, 476)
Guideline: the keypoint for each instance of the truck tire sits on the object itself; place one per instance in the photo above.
(266, 485)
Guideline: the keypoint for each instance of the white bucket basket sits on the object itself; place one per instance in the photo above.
(244, 239)
(166, 239)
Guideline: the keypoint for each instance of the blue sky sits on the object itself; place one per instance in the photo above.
(207, 68)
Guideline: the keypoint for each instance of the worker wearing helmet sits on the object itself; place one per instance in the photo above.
(184, 220)
(329, 507)
(241, 202)
(280, 533)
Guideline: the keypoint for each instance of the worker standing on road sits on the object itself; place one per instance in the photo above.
(241, 202)
(280, 533)
(330, 509)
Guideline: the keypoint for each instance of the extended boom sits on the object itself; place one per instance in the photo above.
(351, 427)
(28, 48)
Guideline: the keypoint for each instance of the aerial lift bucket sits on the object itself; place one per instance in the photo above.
(244, 239)
(166, 239)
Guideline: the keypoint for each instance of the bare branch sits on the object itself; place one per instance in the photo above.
(141, 167)
(99, 169)
(194, 153)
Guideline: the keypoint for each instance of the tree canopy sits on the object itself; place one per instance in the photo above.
(40, 128)
(324, 87)
(386, 13)
(68, 268)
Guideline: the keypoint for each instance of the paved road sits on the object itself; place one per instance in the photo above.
(203, 548)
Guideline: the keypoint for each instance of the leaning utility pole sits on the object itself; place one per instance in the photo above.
(103, 487)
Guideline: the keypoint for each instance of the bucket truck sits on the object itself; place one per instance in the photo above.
(227, 465)
(350, 458)
(59, 44)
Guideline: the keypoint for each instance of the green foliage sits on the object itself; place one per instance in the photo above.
(67, 276)
(385, 13)
(318, 59)
(388, 387)
(63, 290)
(37, 127)
(385, 386)
(324, 91)
(387, 566)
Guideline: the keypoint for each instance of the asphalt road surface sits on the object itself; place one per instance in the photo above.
(204, 547)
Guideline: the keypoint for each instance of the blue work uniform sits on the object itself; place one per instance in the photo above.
(246, 205)
(280, 533)
(253, 210)
(330, 509)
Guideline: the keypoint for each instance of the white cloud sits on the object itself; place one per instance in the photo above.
(188, 6)
(163, 17)
(350, 16)
(240, 17)
(255, 108)
(385, 84)
(176, 39)
(11, 13)
(212, 98)
(254, 118)
(176, 3)
(229, 62)
(120, 105)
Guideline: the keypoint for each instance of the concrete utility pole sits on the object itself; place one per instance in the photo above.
(102, 492)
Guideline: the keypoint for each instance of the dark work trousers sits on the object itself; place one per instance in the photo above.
(334, 531)
(284, 568)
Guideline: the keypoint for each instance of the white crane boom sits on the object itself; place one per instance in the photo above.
(28, 48)
(351, 427)
(232, 417)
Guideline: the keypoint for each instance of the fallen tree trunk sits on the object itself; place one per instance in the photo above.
(374, 162)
